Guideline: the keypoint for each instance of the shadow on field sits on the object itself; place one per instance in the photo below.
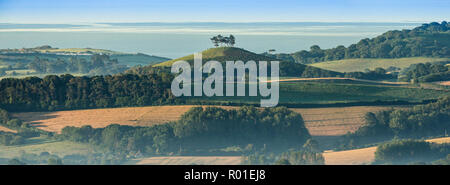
(34, 118)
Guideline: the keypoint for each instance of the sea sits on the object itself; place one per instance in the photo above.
(175, 40)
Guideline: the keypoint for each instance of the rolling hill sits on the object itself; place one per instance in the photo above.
(45, 60)
(26, 55)
(426, 43)
(223, 54)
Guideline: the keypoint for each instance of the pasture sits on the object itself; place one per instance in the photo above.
(360, 64)
(331, 91)
(41, 144)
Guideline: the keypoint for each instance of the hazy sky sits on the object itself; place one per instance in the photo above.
(90, 11)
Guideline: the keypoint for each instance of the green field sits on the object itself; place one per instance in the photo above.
(37, 145)
(336, 91)
(138, 59)
(350, 65)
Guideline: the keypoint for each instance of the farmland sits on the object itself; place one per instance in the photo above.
(4, 129)
(362, 156)
(330, 91)
(446, 83)
(350, 65)
(335, 121)
(319, 121)
(40, 144)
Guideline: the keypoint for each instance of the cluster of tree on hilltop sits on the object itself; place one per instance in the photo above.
(432, 119)
(201, 129)
(69, 92)
(219, 39)
(432, 40)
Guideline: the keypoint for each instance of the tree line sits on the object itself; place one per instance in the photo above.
(68, 92)
(292, 157)
(411, 152)
(377, 74)
(420, 121)
(428, 72)
(308, 154)
(427, 40)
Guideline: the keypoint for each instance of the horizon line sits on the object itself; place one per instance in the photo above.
(223, 22)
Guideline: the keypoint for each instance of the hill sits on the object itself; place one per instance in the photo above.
(361, 64)
(223, 54)
(428, 40)
(75, 51)
(25, 55)
(45, 60)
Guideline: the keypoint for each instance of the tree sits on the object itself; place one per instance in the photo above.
(282, 162)
(215, 41)
(232, 40)
(15, 162)
(54, 161)
(219, 39)
(425, 40)
(311, 145)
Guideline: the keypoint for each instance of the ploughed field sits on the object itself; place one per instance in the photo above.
(4, 129)
(319, 121)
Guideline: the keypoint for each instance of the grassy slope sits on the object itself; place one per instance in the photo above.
(349, 65)
(138, 59)
(221, 54)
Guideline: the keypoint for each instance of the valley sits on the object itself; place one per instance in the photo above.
(336, 106)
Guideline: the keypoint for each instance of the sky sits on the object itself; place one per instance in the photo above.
(98, 11)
